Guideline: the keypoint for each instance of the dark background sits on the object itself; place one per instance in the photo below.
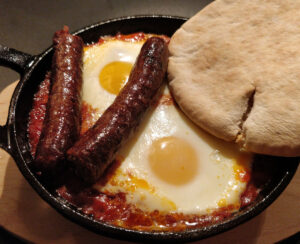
(28, 25)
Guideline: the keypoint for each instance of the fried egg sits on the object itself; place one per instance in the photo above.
(106, 68)
(169, 164)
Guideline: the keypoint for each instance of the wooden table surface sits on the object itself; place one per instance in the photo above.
(24, 213)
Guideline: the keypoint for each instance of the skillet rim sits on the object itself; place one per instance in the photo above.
(101, 227)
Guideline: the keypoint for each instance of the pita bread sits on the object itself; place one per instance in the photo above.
(234, 69)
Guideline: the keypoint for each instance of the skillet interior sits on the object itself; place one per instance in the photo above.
(280, 175)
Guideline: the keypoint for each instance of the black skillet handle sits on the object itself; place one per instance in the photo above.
(14, 59)
(17, 61)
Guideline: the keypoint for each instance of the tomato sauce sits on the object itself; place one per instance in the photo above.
(135, 37)
(37, 114)
(113, 208)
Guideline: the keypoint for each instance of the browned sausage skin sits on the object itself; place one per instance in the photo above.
(96, 149)
(62, 121)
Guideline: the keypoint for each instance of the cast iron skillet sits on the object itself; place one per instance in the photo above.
(13, 136)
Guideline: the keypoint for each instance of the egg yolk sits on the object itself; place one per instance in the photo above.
(173, 160)
(114, 76)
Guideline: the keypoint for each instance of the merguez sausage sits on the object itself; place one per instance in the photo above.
(96, 149)
(62, 121)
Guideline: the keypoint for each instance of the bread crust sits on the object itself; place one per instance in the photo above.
(230, 51)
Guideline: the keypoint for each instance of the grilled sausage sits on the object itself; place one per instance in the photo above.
(62, 120)
(97, 148)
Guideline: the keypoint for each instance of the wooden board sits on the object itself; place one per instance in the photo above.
(24, 213)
